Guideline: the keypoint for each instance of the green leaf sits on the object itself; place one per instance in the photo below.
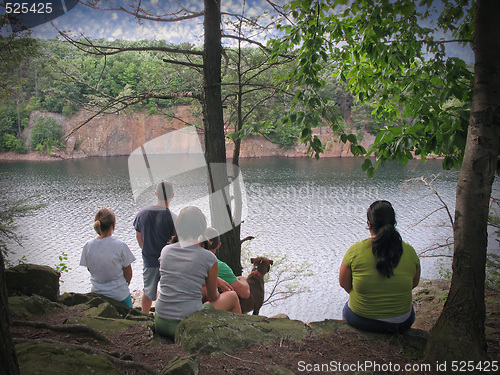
(366, 165)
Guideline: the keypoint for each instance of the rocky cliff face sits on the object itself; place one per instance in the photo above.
(120, 134)
(255, 146)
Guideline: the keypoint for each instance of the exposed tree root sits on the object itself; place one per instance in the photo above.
(68, 328)
(92, 350)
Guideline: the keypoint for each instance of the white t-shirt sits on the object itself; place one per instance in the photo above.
(105, 258)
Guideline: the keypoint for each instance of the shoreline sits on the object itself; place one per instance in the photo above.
(36, 156)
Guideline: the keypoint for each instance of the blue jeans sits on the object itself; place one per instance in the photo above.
(373, 325)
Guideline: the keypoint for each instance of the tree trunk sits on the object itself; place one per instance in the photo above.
(459, 332)
(215, 146)
(8, 358)
(19, 130)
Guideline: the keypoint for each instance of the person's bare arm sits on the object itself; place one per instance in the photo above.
(416, 278)
(345, 277)
(241, 287)
(127, 273)
(211, 283)
(223, 285)
(140, 239)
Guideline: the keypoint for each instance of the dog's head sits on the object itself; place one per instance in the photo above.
(261, 264)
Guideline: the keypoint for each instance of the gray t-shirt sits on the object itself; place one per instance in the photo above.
(183, 271)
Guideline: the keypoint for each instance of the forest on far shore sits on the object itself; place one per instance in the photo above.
(56, 76)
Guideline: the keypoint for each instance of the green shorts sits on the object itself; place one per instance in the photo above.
(167, 327)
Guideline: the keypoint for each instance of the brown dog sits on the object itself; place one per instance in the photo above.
(261, 266)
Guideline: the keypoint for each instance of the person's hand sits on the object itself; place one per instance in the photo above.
(224, 286)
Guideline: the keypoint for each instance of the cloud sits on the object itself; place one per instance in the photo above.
(117, 33)
(119, 25)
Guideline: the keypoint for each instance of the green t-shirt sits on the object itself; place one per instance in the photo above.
(226, 273)
(374, 295)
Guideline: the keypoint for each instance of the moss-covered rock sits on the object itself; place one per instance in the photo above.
(188, 365)
(103, 310)
(30, 279)
(97, 305)
(48, 359)
(106, 326)
(26, 306)
(219, 331)
(327, 327)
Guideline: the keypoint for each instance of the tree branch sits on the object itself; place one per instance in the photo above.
(191, 65)
(101, 50)
(142, 14)
(250, 41)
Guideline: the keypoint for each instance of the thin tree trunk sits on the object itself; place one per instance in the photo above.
(19, 130)
(8, 358)
(459, 332)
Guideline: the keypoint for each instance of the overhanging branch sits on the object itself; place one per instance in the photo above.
(184, 63)
(101, 50)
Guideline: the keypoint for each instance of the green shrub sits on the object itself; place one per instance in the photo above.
(33, 104)
(46, 131)
(10, 142)
(48, 145)
(67, 111)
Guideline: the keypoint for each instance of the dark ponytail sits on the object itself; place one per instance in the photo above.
(387, 245)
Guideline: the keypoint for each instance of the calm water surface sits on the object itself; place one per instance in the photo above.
(301, 211)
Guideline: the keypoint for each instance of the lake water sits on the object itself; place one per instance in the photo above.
(302, 213)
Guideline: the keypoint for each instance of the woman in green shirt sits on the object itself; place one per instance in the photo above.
(379, 274)
(226, 276)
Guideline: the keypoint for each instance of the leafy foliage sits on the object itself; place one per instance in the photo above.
(10, 114)
(46, 133)
(10, 142)
(63, 79)
(393, 55)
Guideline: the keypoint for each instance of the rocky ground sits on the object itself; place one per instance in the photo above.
(137, 351)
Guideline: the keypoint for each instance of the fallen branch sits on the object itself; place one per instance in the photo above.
(241, 359)
(67, 328)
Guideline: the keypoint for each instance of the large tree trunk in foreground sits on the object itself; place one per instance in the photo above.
(8, 358)
(459, 332)
(215, 146)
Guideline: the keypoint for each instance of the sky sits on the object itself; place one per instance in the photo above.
(115, 24)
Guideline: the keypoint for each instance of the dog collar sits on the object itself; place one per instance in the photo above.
(257, 273)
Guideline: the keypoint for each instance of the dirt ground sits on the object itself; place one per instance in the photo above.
(343, 348)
